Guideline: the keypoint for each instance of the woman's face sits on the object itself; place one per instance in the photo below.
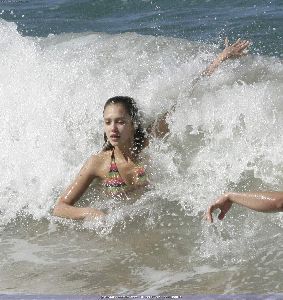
(118, 125)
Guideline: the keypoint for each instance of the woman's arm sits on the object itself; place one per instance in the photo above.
(235, 50)
(65, 205)
(260, 201)
(160, 128)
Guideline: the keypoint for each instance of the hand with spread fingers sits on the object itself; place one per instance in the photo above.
(238, 49)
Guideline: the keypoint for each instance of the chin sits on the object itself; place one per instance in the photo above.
(114, 144)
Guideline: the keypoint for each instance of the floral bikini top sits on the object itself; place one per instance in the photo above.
(114, 182)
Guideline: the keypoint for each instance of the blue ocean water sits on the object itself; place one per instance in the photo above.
(205, 20)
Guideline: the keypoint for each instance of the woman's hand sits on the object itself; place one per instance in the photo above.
(223, 203)
(258, 201)
(236, 50)
(93, 213)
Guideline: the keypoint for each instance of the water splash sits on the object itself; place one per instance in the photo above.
(225, 132)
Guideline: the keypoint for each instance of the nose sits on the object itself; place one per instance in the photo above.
(113, 126)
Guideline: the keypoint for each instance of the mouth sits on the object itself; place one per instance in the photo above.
(114, 136)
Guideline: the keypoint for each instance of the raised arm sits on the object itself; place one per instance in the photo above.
(260, 201)
(160, 128)
(65, 205)
(235, 50)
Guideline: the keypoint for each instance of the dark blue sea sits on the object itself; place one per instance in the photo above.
(59, 62)
(207, 21)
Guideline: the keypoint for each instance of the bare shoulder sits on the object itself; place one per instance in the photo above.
(100, 157)
(97, 162)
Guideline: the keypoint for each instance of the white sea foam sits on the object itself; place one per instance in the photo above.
(226, 134)
(227, 131)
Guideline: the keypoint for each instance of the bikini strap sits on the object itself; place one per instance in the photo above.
(112, 156)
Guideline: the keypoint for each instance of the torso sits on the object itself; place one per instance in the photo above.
(119, 175)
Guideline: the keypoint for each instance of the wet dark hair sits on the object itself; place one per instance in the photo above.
(132, 109)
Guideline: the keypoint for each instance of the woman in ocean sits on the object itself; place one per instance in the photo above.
(258, 201)
(118, 166)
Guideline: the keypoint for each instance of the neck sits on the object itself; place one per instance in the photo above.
(126, 151)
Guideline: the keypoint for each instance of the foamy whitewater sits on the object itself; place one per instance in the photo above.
(226, 135)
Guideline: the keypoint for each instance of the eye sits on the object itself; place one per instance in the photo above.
(121, 122)
(107, 122)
